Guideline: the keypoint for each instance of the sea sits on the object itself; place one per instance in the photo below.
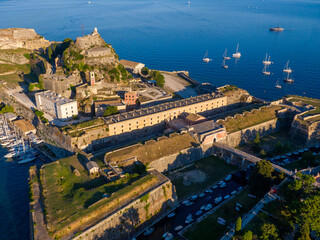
(175, 35)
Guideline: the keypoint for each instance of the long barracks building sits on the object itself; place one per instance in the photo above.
(145, 118)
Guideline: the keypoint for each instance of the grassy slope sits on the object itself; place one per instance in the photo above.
(154, 150)
(64, 207)
(251, 119)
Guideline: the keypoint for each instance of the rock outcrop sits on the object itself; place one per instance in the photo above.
(14, 38)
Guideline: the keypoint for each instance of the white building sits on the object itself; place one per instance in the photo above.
(56, 105)
(135, 67)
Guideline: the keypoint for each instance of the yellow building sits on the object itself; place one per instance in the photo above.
(155, 115)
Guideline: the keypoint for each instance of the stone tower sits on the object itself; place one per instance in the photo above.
(92, 78)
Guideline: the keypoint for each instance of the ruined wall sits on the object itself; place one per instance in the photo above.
(249, 134)
(122, 223)
(14, 58)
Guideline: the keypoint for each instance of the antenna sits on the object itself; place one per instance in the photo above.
(82, 29)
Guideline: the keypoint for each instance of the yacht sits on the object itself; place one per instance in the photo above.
(265, 70)
(276, 29)
(206, 59)
(224, 64)
(287, 69)
(225, 57)
(288, 79)
(237, 54)
(267, 60)
(277, 84)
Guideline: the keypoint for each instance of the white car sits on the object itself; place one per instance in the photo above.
(178, 228)
(223, 185)
(171, 215)
(214, 187)
(228, 178)
(233, 192)
(208, 207)
(226, 196)
(239, 188)
(199, 213)
(194, 197)
(202, 195)
(217, 200)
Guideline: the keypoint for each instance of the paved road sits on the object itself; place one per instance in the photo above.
(250, 157)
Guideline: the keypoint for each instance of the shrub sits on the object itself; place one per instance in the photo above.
(6, 109)
(110, 110)
(238, 224)
(145, 71)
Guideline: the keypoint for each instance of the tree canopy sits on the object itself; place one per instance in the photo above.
(110, 110)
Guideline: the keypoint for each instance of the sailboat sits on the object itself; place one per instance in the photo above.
(224, 64)
(277, 84)
(237, 54)
(288, 79)
(265, 70)
(225, 57)
(287, 69)
(205, 58)
(267, 60)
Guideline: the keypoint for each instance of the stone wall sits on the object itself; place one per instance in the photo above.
(249, 134)
(180, 159)
(121, 224)
(13, 38)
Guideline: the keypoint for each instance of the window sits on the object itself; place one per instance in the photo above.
(122, 126)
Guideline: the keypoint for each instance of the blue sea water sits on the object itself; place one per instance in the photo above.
(172, 35)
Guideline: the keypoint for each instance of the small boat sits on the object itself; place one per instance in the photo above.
(10, 155)
(265, 70)
(277, 84)
(267, 60)
(224, 64)
(287, 69)
(89, 2)
(206, 59)
(237, 54)
(276, 29)
(225, 57)
(148, 231)
(30, 159)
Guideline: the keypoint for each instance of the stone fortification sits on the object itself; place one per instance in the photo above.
(14, 38)
(123, 222)
(305, 130)
(13, 57)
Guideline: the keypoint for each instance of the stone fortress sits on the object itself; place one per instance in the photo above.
(14, 38)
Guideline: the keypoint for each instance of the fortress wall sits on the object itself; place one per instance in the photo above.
(249, 134)
(123, 223)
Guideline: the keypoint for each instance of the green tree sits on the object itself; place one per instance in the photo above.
(145, 71)
(158, 77)
(256, 143)
(110, 110)
(247, 236)
(265, 168)
(304, 232)
(261, 177)
(49, 53)
(238, 224)
(269, 232)
(6, 109)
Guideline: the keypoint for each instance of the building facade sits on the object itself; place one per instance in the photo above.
(135, 67)
(130, 98)
(157, 115)
(56, 105)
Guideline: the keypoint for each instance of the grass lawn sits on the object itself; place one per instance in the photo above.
(251, 119)
(312, 101)
(213, 167)
(210, 229)
(153, 150)
(67, 197)
(269, 142)
(300, 164)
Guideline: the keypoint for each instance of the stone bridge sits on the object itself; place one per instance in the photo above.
(237, 156)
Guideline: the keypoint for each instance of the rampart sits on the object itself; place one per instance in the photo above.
(122, 223)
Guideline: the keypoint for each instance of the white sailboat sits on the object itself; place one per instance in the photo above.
(267, 60)
(205, 58)
(225, 57)
(237, 54)
(277, 84)
(224, 64)
(265, 70)
(288, 79)
(287, 69)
